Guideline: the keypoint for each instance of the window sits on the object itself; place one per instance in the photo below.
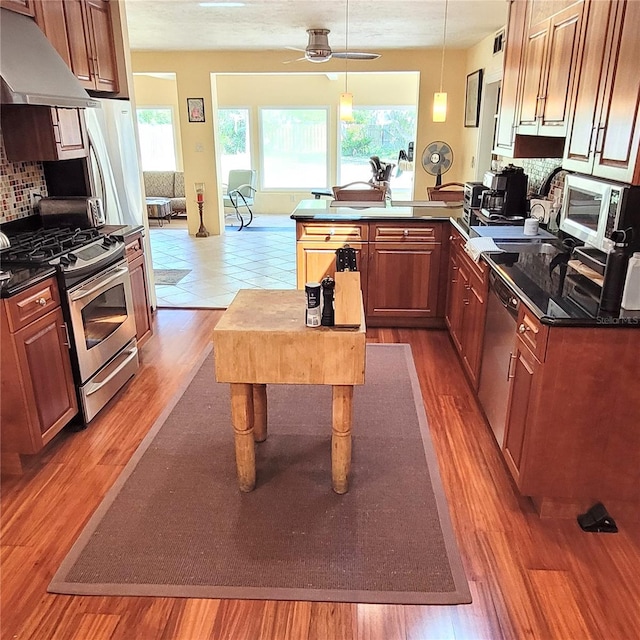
(234, 147)
(294, 148)
(378, 132)
(157, 139)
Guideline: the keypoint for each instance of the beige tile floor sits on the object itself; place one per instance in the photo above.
(261, 256)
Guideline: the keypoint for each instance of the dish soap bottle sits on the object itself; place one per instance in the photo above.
(631, 294)
(615, 272)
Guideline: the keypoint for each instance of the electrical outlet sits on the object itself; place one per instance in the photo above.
(35, 196)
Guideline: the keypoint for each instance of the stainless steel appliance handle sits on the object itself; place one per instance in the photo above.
(113, 275)
(94, 387)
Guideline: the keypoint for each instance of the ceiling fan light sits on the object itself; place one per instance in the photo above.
(346, 107)
(439, 107)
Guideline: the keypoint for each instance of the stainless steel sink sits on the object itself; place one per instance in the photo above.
(529, 247)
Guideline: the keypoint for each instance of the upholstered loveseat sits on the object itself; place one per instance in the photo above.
(167, 184)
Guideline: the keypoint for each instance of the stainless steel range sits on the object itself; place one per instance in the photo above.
(94, 283)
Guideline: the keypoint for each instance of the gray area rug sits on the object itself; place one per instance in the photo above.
(169, 276)
(176, 525)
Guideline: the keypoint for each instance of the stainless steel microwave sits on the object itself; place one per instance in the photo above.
(592, 209)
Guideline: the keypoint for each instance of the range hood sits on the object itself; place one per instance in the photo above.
(32, 70)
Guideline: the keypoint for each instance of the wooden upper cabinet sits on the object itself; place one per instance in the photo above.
(550, 59)
(19, 6)
(604, 135)
(505, 128)
(51, 19)
(33, 132)
(82, 33)
(616, 151)
(100, 33)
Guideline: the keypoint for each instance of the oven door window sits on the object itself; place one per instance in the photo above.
(104, 315)
(583, 208)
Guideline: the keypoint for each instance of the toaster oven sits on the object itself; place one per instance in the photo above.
(83, 212)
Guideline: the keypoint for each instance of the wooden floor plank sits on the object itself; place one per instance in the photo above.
(529, 578)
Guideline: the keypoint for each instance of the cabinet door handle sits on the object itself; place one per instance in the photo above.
(523, 328)
(600, 140)
(66, 333)
(42, 302)
(512, 359)
(451, 238)
(405, 233)
(332, 232)
(466, 301)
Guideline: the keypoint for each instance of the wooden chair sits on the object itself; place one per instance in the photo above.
(371, 193)
(444, 194)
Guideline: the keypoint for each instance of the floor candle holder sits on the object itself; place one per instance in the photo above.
(202, 231)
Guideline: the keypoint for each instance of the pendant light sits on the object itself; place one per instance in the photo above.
(346, 99)
(440, 98)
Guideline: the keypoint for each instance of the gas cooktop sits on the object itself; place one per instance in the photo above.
(45, 245)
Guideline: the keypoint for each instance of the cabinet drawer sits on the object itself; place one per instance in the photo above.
(32, 304)
(332, 231)
(399, 232)
(532, 333)
(134, 248)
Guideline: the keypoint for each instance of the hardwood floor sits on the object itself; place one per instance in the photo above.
(529, 578)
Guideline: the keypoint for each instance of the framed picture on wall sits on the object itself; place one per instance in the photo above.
(472, 102)
(195, 107)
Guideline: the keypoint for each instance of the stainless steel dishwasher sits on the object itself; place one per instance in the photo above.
(499, 341)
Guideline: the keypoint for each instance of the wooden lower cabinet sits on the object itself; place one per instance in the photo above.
(38, 393)
(139, 287)
(522, 371)
(466, 310)
(403, 280)
(572, 418)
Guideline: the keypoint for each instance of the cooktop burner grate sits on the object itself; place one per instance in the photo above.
(36, 247)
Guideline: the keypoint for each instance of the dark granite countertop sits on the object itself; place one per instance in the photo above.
(322, 210)
(123, 231)
(23, 277)
(549, 287)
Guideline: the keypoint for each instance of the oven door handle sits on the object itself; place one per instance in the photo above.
(83, 293)
(94, 387)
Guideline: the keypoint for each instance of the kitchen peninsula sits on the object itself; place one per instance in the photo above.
(561, 439)
(399, 252)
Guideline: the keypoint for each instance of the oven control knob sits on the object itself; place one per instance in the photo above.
(72, 257)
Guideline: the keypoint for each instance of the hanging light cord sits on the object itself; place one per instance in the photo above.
(346, 46)
(444, 41)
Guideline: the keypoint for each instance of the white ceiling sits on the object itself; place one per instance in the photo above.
(374, 25)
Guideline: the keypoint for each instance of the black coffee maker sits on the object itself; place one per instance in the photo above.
(506, 193)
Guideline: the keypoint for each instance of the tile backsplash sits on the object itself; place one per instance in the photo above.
(17, 180)
(538, 169)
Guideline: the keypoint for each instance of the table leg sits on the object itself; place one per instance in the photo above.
(341, 437)
(242, 421)
(260, 412)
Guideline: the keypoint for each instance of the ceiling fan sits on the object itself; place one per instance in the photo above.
(318, 49)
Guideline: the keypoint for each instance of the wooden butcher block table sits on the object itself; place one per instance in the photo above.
(262, 339)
